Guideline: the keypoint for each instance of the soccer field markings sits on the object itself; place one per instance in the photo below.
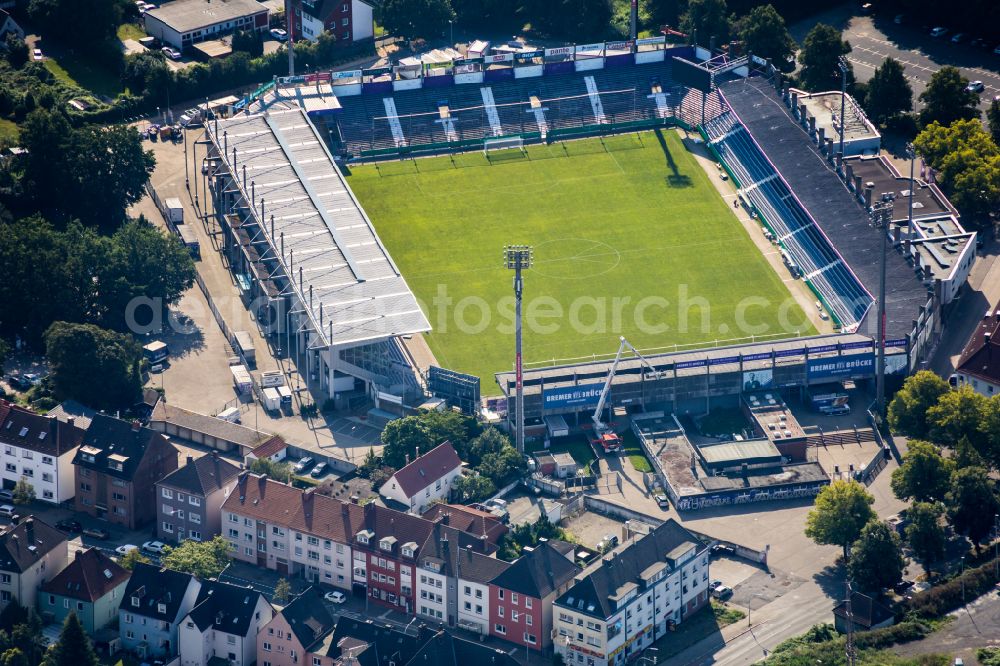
(585, 255)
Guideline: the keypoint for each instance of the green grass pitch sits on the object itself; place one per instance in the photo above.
(630, 238)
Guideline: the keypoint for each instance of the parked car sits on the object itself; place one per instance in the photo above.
(939, 32)
(171, 52)
(319, 470)
(71, 526)
(722, 549)
(722, 592)
(7, 510)
(662, 501)
(279, 34)
(304, 464)
(714, 585)
(958, 38)
(37, 54)
(154, 547)
(975, 86)
(6, 496)
(126, 548)
(335, 597)
(902, 586)
(97, 533)
(867, 8)
(498, 503)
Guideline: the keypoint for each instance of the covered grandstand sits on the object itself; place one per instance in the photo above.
(305, 252)
(797, 189)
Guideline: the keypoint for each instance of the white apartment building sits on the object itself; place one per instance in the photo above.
(223, 624)
(639, 592)
(40, 450)
(424, 481)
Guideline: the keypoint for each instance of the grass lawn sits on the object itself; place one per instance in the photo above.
(695, 628)
(630, 238)
(577, 446)
(9, 132)
(130, 31)
(634, 451)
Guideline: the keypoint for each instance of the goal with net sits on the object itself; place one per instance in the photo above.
(502, 143)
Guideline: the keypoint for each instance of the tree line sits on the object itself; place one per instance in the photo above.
(75, 264)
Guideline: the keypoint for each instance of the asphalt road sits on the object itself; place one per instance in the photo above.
(875, 38)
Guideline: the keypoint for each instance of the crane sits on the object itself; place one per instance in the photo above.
(607, 437)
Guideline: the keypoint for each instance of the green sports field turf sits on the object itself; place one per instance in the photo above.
(630, 238)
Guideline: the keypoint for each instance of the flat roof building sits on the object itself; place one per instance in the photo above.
(181, 23)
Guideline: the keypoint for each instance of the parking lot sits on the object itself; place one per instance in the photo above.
(874, 38)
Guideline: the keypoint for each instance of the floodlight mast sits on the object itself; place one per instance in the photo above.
(605, 436)
(518, 258)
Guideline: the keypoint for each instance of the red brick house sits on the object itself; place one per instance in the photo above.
(521, 597)
(117, 468)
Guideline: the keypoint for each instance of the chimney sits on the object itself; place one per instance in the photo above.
(857, 185)
(344, 511)
(136, 426)
(71, 420)
(407, 458)
(190, 459)
(868, 195)
(417, 453)
(79, 554)
(821, 139)
(29, 528)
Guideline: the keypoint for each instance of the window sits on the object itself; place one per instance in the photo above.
(234, 534)
(5, 579)
(196, 536)
(167, 527)
(233, 518)
(47, 477)
(27, 471)
(27, 455)
(52, 600)
(500, 629)
(119, 511)
(528, 619)
(118, 497)
(530, 638)
(527, 602)
(500, 594)
(267, 647)
(180, 514)
(46, 460)
(346, 22)
(129, 618)
(194, 518)
(11, 467)
(513, 598)
(194, 501)
(500, 611)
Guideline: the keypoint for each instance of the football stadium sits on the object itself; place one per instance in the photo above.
(366, 211)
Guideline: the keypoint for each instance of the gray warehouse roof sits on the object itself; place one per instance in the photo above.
(328, 238)
(187, 15)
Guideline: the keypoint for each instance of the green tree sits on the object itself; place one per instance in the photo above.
(958, 414)
(4, 353)
(972, 503)
(764, 34)
(889, 93)
(925, 474)
(132, 558)
(205, 559)
(489, 441)
(993, 116)
(841, 511)
(282, 591)
(946, 98)
(14, 657)
(24, 492)
(821, 50)
(82, 24)
(277, 470)
(248, 41)
(16, 51)
(969, 164)
(705, 19)
(925, 533)
(147, 74)
(472, 488)
(571, 19)
(424, 431)
(876, 557)
(502, 467)
(84, 358)
(908, 409)
(416, 18)
(73, 647)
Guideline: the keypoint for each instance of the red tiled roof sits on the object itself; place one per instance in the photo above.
(981, 356)
(270, 447)
(469, 520)
(427, 469)
(45, 435)
(305, 511)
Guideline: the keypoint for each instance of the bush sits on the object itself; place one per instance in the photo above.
(309, 411)
(942, 599)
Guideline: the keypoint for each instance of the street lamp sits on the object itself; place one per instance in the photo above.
(451, 32)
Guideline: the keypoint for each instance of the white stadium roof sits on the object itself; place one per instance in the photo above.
(328, 238)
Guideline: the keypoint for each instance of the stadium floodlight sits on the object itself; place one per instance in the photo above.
(911, 153)
(881, 218)
(518, 258)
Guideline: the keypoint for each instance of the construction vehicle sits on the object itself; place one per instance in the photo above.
(607, 438)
